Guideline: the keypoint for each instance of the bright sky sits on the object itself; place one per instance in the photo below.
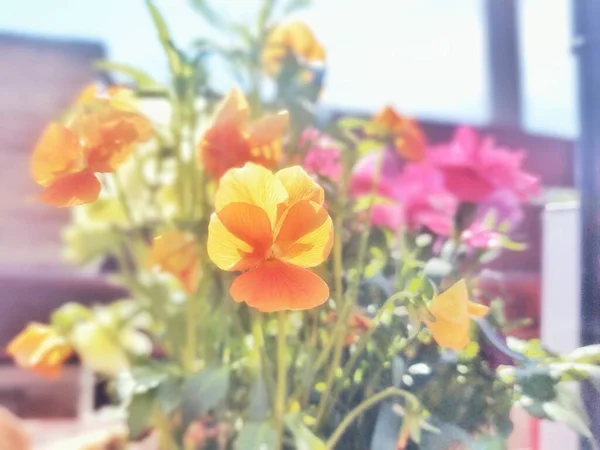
(428, 57)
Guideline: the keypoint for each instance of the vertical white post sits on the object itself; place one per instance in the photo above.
(561, 292)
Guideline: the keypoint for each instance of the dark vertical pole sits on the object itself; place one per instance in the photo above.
(505, 76)
(587, 46)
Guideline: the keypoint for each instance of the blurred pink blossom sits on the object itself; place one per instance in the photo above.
(479, 236)
(416, 191)
(475, 167)
(323, 155)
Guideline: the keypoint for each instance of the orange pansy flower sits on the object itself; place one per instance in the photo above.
(272, 227)
(287, 39)
(99, 139)
(409, 139)
(232, 142)
(176, 253)
(452, 310)
(41, 349)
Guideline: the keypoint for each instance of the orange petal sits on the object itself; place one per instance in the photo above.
(176, 252)
(451, 305)
(300, 186)
(265, 139)
(268, 129)
(57, 153)
(306, 235)
(249, 223)
(233, 110)
(276, 286)
(225, 249)
(108, 134)
(72, 190)
(39, 348)
(224, 147)
(252, 184)
(477, 309)
(388, 118)
(450, 334)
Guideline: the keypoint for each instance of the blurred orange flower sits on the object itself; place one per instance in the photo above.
(452, 310)
(99, 139)
(176, 253)
(287, 39)
(273, 227)
(357, 323)
(231, 142)
(409, 139)
(41, 349)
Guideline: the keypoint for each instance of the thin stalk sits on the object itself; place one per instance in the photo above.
(189, 354)
(364, 406)
(280, 398)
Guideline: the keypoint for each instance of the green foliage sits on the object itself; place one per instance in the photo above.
(256, 435)
(203, 392)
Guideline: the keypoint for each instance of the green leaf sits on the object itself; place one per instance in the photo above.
(257, 436)
(352, 123)
(258, 407)
(143, 80)
(378, 261)
(589, 354)
(204, 391)
(532, 349)
(303, 437)
(208, 13)
(509, 244)
(367, 146)
(568, 409)
(572, 371)
(169, 394)
(139, 413)
(174, 57)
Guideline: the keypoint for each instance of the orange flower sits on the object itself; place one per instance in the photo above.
(176, 253)
(452, 310)
(99, 139)
(295, 39)
(409, 139)
(231, 142)
(41, 349)
(119, 96)
(357, 323)
(273, 227)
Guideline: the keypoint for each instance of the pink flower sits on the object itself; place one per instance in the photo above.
(479, 236)
(323, 155)
(417, 194)
(474, 168)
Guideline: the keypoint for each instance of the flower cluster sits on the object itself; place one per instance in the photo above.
(283, 277)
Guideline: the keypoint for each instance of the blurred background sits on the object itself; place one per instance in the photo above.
(526, 71)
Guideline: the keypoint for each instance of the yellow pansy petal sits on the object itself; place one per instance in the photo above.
(252, 184)
(477, 309)
(451, 305)
(449, 334)
(224, 248)
(300, 186)
(306, 235)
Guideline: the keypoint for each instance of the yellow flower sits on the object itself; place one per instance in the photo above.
(452, 310)
(292, 38)
(273, 227)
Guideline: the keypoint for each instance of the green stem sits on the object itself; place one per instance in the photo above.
(189, 354)
(280, 399)
(362, 407)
